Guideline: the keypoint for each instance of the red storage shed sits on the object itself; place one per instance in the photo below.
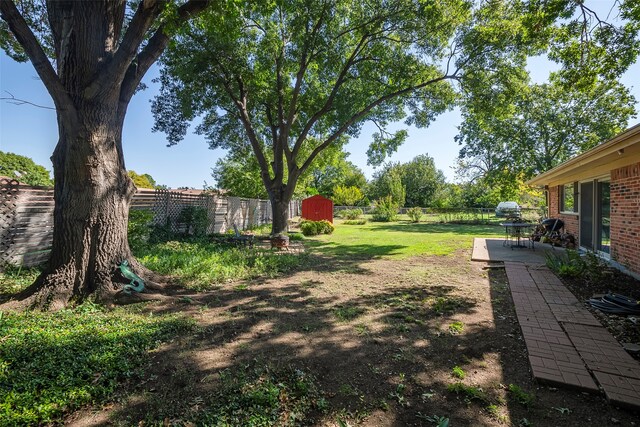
(317, 208)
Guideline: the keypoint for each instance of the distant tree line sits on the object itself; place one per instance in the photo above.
(25, 170)
(417, 183)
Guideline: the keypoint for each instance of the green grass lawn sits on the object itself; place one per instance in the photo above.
(399, 240)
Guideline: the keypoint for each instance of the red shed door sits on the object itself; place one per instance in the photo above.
(317, 208)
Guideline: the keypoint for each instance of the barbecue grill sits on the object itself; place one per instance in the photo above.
(553, 224)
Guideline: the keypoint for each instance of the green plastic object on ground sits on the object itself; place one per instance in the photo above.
(136, 284)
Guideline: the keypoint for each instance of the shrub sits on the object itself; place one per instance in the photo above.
(161, 233)
(309, 228)
(326, 227)
(568, 265)
(589, 267)
(351, 213)
(195, 219)
(385, 210)
(595, 268)
(415, 214)
(347, 196)
(295, 237)
(313, 228)
(139, 227)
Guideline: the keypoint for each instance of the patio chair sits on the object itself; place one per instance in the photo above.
(242, 239)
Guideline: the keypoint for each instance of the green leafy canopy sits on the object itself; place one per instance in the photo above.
(543, 126)
(24, 169)
(289, 79)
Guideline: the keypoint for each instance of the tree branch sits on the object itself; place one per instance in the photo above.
(241, 106)
(115, 71)
(330, 98)
(302, 69)
(362, 113)
(273, 126)
(154, 48)
(281, 140)
(16, 101)
(26, 38)
(253, 139)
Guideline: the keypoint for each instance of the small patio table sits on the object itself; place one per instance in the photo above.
(515, 230)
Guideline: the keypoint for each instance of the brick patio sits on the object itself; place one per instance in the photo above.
(567, 345)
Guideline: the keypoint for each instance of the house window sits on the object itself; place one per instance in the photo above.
(569, 197)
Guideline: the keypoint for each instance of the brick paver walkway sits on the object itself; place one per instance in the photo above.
(566, 344)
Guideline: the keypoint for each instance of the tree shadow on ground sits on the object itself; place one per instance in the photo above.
(359, 349)
(382, 354)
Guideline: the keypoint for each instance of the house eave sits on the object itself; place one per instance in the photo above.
(620, 150)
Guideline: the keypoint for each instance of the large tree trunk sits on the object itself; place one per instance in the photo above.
(280, 199)
(92, 196)
(98, 67)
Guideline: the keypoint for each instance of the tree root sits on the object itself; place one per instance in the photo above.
(55, 290)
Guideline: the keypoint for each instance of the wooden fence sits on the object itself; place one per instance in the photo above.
(26, 216)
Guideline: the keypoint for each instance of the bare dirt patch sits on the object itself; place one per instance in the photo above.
(381, 339)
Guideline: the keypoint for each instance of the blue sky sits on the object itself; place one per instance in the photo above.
(32, 131)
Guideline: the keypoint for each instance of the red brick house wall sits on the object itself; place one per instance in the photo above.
(625, 216)
(571, 222)
(554, 202)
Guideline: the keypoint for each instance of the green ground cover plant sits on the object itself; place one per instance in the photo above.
(354, 222)
(521, 396)
(296, 237)
(53, 363)
(369, 300)
(200, 264)
(469, 393)
(456, 328)
(14, 278)
(458, 372)
(346, 314)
